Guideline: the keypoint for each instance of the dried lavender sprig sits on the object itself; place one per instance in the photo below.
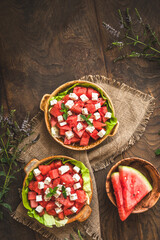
(111, 30)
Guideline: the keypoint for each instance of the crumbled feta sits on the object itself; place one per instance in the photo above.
(36, 172)
(63, 169)
(53, 102)
(85, 111)
(68, 191)
(73, 96)
(47, 191)
(73, 197)
(79, 119)
(54, 131)
(58, 210)
(69, 135)
(76, 177)
(90, 129)
(108, 115)
(69, 104)
(79, 127)
(57, 194)
(59, 187)
(38, 198)
(60, 118)
(91, 120)
(58, 204)
(84, 98)
(76, 169)
(69, 113)
(39, 209)
(97, 115)
(77, 186)
(97, 106)
(40, 185)
(95, 96)
(47, 198)
(62, 123)
(47, 180)
(101, 133)
(74, 209)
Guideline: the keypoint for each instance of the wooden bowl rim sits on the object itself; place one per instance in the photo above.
(59, 140)
(110, 193)
(77, 216)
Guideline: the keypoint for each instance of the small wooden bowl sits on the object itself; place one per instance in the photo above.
(86, 210)
(44, 105)
(149, 171)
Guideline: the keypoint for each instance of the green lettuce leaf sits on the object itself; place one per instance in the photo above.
(110, 124)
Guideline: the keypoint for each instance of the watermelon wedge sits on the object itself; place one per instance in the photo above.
(123, 214)
(135, 186)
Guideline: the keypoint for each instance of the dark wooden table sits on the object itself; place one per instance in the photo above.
(46, 43)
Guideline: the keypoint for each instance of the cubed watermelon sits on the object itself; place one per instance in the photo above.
(77, 107)
(94, 134)
(81, 196)
(55, 182)
(70, 167)
(67, 212)
(98, 125)
(72, 121)
(79, 133)
(31, 185)
(90, 91)
(43, 203)
(66, 98)
(58, 164)
(65, 202)
(85, 139)
(55, 111)
(75, 139)
(39, 177)
(62, 132)
(79, 206)
(52, 212)
(66, 141)
(53, 121)
(42, 213)
(36, 189)
(50, 205)
(91, 107)
(32, 195)
(52, 165)
(102, 110)
(80, 90)
(44, 169)
(67, 178)
(61, 215)
(33, 203)
(65, 127)
(54, 173)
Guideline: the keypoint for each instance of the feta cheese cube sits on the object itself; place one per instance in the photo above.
(39, 208)
(97, 115)
(63, 169)
(62, 123)
(69, 113)
(101, 133)
(59, 187)
(53, 102)
(73, 197)
(90, 129)
(74, 209)
(97, 106)
(76, 169)
(47, 191)
(91, 120)
(79, 127)
(60, 118)
(84, 98)
(40, 185)
(108, 115)
(36, 172)
(95, 96)
(38, 198)
(73, 96)
(69, 104)
(84, 111)
(54, 131)
(79, 119)
(47, 198)
(76, 177)
(58, 204)
(47, 180)
(68, 191)
(58, 210)
(57, 194)
(69, 135)
(77, 186)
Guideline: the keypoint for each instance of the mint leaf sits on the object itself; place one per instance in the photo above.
(52, 191)
(87, 119)
(64, 192)
(64, 110)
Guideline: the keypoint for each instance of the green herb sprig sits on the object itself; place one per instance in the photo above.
(52, 191)
(64, 192)
(64, 110)
(11, 135)
(87, 119)
(136, 36)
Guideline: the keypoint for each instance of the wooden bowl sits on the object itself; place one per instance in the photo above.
(44, 105)
(86, 210)
(149, 171)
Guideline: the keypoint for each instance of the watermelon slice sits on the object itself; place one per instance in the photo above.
(134, 184)
(123, 214)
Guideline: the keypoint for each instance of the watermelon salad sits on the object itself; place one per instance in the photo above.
(130, 187)
(80, 115)
(56, 191)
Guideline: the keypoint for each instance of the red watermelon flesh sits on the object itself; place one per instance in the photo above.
(123, 214)
(135, 186)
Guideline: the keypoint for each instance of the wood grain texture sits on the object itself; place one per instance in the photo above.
(44, 44)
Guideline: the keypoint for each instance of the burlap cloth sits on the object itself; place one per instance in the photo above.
(133, 109)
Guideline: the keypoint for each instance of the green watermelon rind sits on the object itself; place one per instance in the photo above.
(144, 180)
